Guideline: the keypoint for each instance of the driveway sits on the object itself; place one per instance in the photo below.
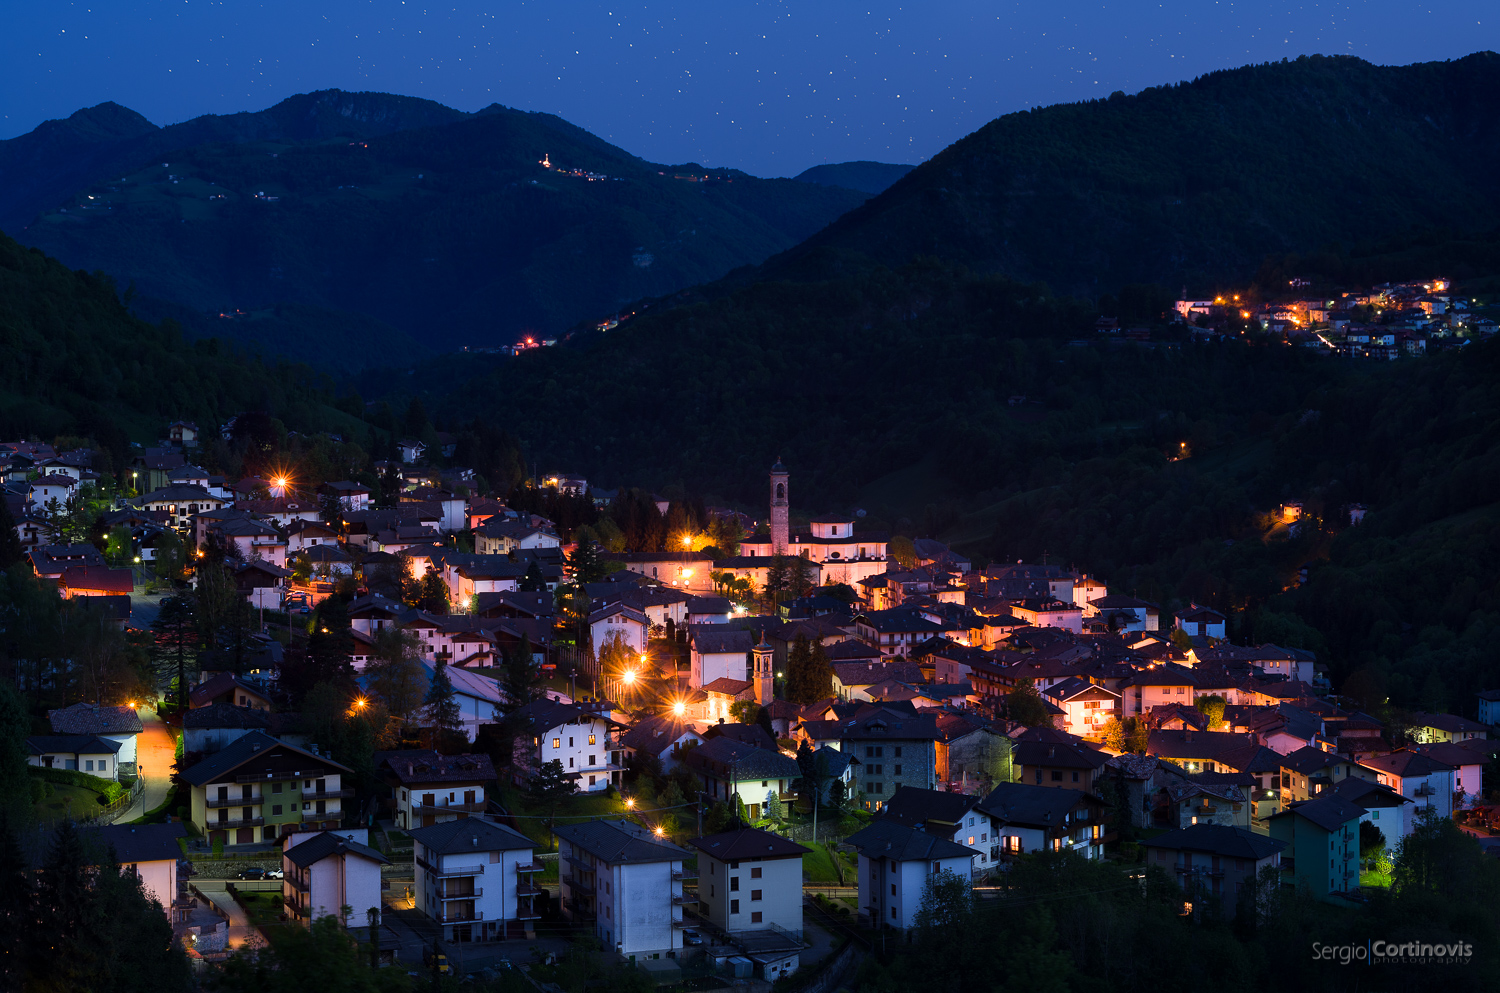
(155, 752)
(239, 924)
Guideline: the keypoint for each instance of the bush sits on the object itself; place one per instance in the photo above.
(218, 847)
(73, 778)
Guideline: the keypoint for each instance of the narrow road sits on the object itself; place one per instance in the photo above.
(239, 924)
(155, 751)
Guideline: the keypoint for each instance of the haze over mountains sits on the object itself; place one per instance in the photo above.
(439, 229)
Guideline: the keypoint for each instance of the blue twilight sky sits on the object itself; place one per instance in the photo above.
(767, 86)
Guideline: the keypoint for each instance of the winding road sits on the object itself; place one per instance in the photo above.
(155, 752)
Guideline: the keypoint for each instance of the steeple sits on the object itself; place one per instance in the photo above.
(781, 534)
(762, 655)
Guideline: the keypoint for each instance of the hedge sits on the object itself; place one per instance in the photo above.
(75, 778)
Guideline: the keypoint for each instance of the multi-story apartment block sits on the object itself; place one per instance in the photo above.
(477, 879)
(258, 789)
(626, 883)
(331, 873)
(896, 863)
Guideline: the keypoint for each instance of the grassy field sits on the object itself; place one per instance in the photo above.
(581, 806)
(1370, 877)
(818, 867)
(67, 801)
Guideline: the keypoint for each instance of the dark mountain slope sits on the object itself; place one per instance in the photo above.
(454, 233)
(41, 169)
(867, 177)
(1196, 183)
(78, 364)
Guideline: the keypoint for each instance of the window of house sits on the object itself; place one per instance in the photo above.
(1075, 777)
(755, 917)
(734, 906)
(1056, 776)
(898, 770)
(556, 742)
(734, 884)
(893, 889)
(275, 809)
(570, 761)
(893, 913)
(898, 751)
(276, 788)
(494, 856)
(591, 760)
(754, 895)
(591, 739)
(88, 765)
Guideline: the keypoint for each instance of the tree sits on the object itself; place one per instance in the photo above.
(175, 638)
(170, 557)
(1181, 640)
(442, 709)
(521, 674)
(534, 582)
(433, 593)
(331, 511)
(1026, 706)
(774, 810)
(10, 542)
(903, 551)
(584, 563)
(745, 711)
(1371, 840)
(809, 672)
(549, 787)
(396, 673)
(1212, 707)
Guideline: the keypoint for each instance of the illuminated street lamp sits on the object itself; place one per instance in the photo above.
(630, 803)
(628, 677)
(679, 708)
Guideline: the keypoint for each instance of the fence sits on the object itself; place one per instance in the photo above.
(109, 812)
(254, 886)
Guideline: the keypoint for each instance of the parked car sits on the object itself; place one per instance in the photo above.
(691, 937)
(254, 872)
(275, 874)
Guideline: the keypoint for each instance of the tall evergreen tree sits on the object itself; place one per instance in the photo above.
(442, 711)
(10, 542)
(175, 642)
(521, 674)
(584, 563)
(534, 582)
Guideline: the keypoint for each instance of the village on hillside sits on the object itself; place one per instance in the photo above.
(741, 755)
(1381, 322)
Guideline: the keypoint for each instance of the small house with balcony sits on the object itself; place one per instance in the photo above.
(331, 873)
(258, 789)
(1213, 863)
(729, 768)
(896, 862)
(428, 788)
(1026, 818)
(582, 740)
(625, 883)
(1086, 706)
(477, 880)
(1429, 782)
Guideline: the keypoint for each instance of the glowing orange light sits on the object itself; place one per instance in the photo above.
(679, 708)
(630, 803)
(687, 541)
(360, 702)
(629, 677)
(659, 831)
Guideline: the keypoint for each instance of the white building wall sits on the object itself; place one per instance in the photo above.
(584, 749)
(159, 879)
(127, 746)
(891, 892)
(640, 912)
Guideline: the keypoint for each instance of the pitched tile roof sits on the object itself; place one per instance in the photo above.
(80, 744)
(91, 718)
(471, 834)
(321, 846)
(619, 841)
(1218, 839)
(427, 766)
(886, 839)
(250, 746)
(134, 843)
(747, 843)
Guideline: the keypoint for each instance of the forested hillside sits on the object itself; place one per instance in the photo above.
(1196, 183)
(78, 364)
(443, 225)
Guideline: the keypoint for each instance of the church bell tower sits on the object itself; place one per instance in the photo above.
(780, 520)
(765, 688)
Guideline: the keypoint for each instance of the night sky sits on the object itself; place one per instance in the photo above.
(765, 86)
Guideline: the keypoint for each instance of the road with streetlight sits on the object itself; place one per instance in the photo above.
(155, 754)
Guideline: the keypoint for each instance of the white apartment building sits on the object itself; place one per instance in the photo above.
(429, 788)
(749, 879)
(895, 864)
(476, 879)
(626, 883)
(326, 871)
(580, 739)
